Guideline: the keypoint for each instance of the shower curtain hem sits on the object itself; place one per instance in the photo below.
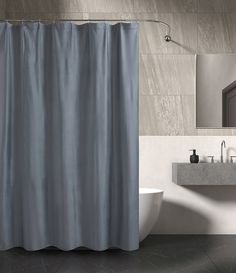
(70, 248)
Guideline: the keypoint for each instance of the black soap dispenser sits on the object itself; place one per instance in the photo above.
(194, 158)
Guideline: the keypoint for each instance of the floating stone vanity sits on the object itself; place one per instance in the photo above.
(204, 174)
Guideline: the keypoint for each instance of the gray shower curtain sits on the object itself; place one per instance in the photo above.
(69, 136)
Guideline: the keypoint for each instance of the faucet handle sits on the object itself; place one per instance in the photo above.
(211, 157)
(232, 158)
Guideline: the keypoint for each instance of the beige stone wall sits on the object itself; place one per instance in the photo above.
(167, 70)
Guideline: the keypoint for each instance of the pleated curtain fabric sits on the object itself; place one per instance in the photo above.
(69, 135)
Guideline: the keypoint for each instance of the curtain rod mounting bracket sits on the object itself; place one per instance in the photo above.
(167, 38)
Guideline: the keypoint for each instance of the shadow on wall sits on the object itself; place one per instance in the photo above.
(230, 151)
(217, 193)
(177, 219)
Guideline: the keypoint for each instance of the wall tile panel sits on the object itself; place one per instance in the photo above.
(166, 115)
(167, 74)
(216, 6)
(215, 32)
(69, 6)
(165, 6)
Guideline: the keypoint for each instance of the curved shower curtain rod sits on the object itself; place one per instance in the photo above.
(167, 36)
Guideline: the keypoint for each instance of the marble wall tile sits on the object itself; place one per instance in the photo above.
(47, 16)
(111, 15)
(156, 115)
(2, 6)
(2, 9)
(74, 6)
(50, 6)
(113, 5)
(145, 6)
(215, 33)
(162, 6)
(165, 6)
(216, 6)
(11, 5)
(31, 6)
(167, 74)
(231, 25)
(184, 35)
(188, 113)
(69, 6)
(166, 115)
(104, 6)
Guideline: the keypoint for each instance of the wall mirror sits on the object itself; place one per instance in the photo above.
(216, 91)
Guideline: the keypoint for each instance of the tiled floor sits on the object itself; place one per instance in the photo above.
(157, 254)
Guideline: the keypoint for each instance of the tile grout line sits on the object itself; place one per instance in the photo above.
(208, 257)
(214, 264)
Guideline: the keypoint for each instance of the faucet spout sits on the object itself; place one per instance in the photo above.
(221, 154)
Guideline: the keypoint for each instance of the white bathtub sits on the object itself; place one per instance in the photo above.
(149, 208)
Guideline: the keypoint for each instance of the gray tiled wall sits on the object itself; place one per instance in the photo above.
(167, 70)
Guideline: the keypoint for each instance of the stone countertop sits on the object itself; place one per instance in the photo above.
(217, 174)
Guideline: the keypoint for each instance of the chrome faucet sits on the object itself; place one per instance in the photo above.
(221, 155)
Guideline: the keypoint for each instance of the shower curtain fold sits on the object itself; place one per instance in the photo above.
(69, 136)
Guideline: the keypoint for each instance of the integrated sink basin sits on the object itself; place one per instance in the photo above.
(215, 174)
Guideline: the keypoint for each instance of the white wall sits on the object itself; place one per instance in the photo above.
(195, 210)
